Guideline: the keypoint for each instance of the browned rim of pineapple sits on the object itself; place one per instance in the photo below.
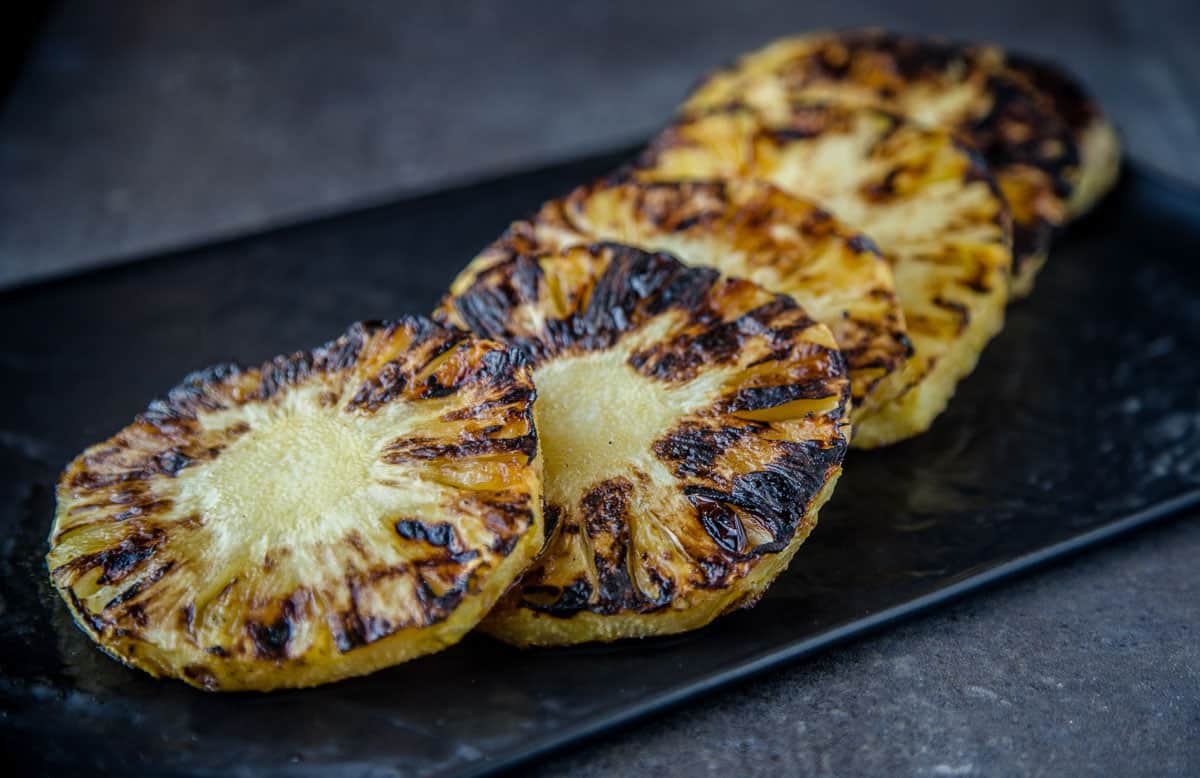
(692, 424)
(323, 515)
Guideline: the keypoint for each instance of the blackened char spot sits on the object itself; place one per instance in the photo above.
(439, 534)
(694, 449)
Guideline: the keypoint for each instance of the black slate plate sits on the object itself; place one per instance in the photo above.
(1081, 422)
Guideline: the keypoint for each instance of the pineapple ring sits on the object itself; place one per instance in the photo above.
(1051, 150)
(927, 201)
(692, 425)
(318, 517)
(747, 229)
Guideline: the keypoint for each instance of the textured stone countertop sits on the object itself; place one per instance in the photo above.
(143, 125)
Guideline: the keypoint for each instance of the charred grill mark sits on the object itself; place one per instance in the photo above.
(503, 545)
(1018, 130)
(694, 448)
(553, 514)
(139, 586)
(437, 607)
(415, 449)
(485, 306)
(144, 508)
(118, 561)
(93, 620)
(978, 281)
(387, 384)
(439, 534)
(961, 312)
(498, 368)
(567, 601)
(124, 463)
(504, 513)
(270, 640)
(343, 352)
(753, 398)
(633, 286)
(720, 522)
(604, 510)
(192, 395)
(777, 496)
(283, 372)
(680, 358)
(518, 397)
(351, 628)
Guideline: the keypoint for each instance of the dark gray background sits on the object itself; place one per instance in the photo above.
(137, 126)
(144, 124)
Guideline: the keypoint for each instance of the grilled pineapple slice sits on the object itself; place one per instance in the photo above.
(927, 201)
(321, 516)
(692, 425)
(1048, 166)
(747, 229)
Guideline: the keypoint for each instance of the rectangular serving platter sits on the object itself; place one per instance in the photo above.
(1081, 422)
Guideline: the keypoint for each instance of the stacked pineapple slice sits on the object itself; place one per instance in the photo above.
(630, 407)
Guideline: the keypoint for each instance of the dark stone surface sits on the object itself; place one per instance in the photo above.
(144, 124)
(139, 125)
(1092, 668)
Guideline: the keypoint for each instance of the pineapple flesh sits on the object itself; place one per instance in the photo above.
(927, 201)
(692, 424)
(322, 516)
(741, 228)
(1050, 148)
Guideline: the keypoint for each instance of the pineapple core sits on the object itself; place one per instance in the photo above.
(596, 416)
